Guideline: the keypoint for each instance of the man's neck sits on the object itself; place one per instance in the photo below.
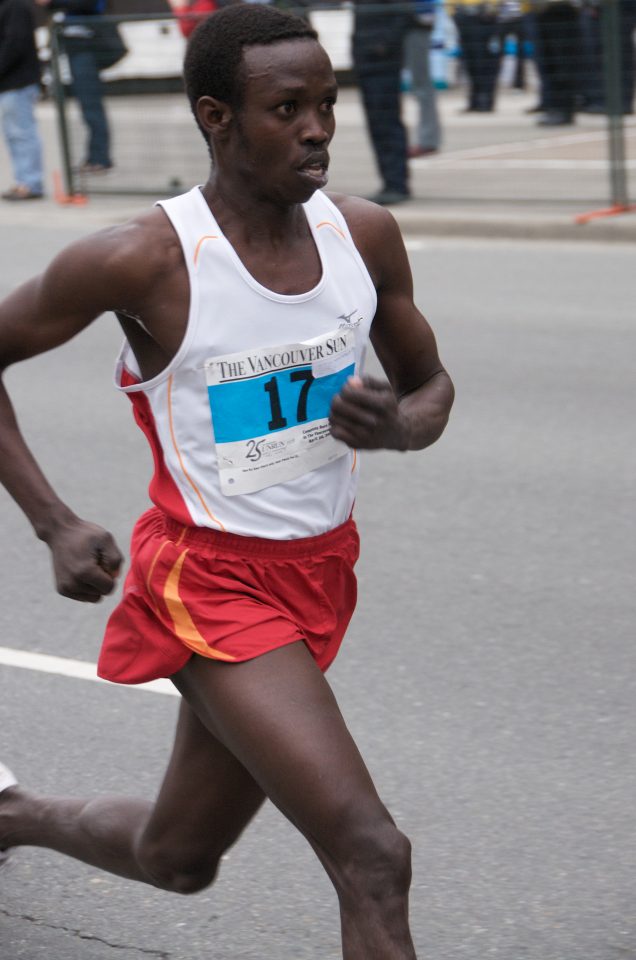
(244, 218)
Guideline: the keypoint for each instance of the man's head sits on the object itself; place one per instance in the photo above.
(214, 57)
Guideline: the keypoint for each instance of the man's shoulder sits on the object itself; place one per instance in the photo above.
(373, 228)
(122, 263)
(145, 246)
(359, 211)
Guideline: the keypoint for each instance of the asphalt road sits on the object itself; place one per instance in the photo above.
(489, 673)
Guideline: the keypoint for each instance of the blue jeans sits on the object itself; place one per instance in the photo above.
(87, 88)
(21, 133)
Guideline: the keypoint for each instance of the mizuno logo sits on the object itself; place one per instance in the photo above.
(346, 323)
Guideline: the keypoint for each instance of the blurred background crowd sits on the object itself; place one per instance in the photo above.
(80, 53)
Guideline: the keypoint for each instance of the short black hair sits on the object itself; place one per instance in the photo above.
(215, 49)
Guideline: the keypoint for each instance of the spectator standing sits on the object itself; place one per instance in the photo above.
(378, 45)
(532, 34)
(627, 14)
(593, 99)
(79, 41)
(592, 91)
(417, 61)
(481, 42)
(19, 91)
(559, 32)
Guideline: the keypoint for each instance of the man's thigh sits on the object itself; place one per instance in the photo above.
(278, 716)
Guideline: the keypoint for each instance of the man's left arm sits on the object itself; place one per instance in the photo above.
(410, 411)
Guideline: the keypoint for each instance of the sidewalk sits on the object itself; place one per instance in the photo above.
(501, 175)
(498, 175)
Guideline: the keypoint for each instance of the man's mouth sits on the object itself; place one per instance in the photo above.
(316, 167)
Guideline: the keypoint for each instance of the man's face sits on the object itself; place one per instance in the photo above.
(286, 121)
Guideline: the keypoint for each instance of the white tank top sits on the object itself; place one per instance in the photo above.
(237, 421)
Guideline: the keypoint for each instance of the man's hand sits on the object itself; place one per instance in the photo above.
(365, 415)
(86, 561)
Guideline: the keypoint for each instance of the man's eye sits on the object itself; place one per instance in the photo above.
(287, 108)
(328, 105)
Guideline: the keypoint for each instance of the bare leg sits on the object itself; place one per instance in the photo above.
(278, 716)
(140, 840)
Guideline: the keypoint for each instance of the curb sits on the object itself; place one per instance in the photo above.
(415, 219)
(618, 229)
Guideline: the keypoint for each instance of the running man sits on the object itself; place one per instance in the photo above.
(246, 305)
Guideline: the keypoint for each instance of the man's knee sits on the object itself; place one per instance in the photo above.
(376, 864)
(174, 869)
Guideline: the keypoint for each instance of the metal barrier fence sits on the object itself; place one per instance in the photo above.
(523, 57)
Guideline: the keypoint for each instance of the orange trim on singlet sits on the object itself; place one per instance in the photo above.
(184, 625)
(328, 223)
(181, 463)
(210, 236)
(355, 460)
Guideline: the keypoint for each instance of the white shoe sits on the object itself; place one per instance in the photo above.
(6, 780)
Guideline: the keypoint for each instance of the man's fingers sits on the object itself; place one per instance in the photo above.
(83, 596)
(92, 585)
(361, 407)
(372, 394)
(96, 578)
(346, 436)
(86, 561)
(348, 413)
(90, 582)
(109, 557)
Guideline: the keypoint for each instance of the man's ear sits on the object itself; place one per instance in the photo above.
(214, 115)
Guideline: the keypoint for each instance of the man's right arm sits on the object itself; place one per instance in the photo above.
(83, 282)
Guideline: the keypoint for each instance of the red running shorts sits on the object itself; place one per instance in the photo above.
(226, 597)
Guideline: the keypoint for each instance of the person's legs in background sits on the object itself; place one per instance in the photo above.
(489, 40)
(533, 40)
(560, 36)
(87, 88)
(23, 141)
(515, 29)
(381, 96)
(627, 20)
(463, 22)
(592, 91)
(417, 61)
(482, 50)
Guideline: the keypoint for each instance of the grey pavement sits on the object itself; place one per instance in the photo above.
(489, 674)
(497, 174)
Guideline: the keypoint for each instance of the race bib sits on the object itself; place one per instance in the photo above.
(270, 410)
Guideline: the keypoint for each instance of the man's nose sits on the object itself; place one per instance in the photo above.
(316, 130)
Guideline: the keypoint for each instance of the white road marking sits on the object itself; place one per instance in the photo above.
(499, 149)
(77, 669)
(510, 163)
(415, 243)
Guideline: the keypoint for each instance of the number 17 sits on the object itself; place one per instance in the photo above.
(278, 421)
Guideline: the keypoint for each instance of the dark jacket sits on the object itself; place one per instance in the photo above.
(19, 64)
(380, 27)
